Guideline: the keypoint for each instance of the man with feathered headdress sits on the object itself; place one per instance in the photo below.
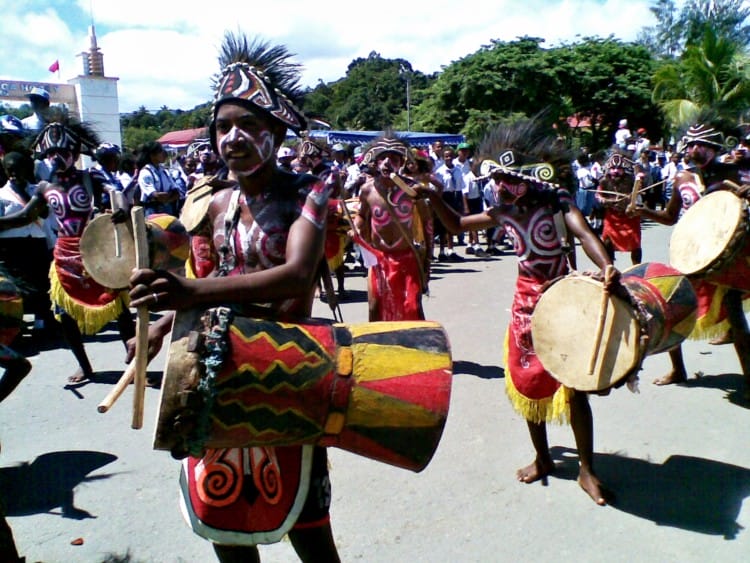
(82, 305)
(527, 165)
(394, 229)
(720, 308)
(621, 225)
(257, 242)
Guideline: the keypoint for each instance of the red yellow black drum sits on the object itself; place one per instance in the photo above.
(654, 312)
(380, 390)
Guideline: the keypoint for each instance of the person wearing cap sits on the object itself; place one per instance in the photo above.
(103, 175)
(720, 309)
(395, 232)
(622, 135)
(284, 158)
(39, 101)
(258, 243)
(526, 208)
(355, 177)
(642, 143)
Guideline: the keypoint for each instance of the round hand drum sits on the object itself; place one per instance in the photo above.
(380, 390)
(108, 249)
(655, 313)
(711, 240)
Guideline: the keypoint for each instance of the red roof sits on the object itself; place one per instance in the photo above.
(184, 137)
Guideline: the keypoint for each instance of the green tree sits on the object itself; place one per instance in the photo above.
(372, 95)
(675, 28)
(724, 17)
(664, 39)
(711, 76)
(134, 137)
(500, 78)
(604, 80)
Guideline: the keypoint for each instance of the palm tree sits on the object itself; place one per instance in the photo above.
(711, 75)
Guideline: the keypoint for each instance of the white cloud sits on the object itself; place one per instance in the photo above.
(164, 52)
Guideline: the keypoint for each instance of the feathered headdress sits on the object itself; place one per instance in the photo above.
(62, 131)
(260, 76)
(525, 149)
(619, 159)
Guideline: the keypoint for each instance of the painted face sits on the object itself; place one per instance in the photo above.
(511, 189)
(700, 154)
(245, 140)
(616, 172)
(388, 162)
(62, 157)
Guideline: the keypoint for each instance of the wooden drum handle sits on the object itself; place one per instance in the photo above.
(602, 319)
(141, 327)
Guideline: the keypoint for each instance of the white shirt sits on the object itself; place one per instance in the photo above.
(11, 203)
(622, 136)
(452, 178)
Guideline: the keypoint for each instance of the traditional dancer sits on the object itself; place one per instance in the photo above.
(622, 227)
(81, 305)
(528, 202)
(264, 236)
(719, 307)
(397, 230)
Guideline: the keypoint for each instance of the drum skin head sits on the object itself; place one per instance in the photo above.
(705, 230)
(108, 252)
(563, 329)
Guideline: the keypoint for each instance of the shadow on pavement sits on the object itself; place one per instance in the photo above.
(690, 493)
(478, 370)
(732, 383)
(48, 482)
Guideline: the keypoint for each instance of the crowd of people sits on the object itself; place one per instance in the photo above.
(283, 218)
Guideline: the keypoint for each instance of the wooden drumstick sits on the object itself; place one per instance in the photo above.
(406, 188)
(125, 379)
(141, 327)
(602, 318)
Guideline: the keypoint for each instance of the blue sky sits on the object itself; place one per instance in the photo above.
(164, 51)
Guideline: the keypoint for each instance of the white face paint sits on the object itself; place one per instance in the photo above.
(245, 140)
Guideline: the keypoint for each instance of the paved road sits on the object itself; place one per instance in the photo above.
(677, 458)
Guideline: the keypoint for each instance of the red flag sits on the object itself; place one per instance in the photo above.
(54, 67)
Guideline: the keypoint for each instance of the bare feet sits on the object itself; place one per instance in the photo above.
(80, 376)
(539, 469)
(725, 338)
(593, 487)
(673, 376)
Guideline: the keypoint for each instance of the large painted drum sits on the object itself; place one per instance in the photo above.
(108, 250)
(380, 390)
(711, 241)
(654, 311)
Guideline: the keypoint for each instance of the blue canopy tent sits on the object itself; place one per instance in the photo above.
(363, 137)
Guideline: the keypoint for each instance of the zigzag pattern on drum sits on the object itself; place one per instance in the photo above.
(275, 368)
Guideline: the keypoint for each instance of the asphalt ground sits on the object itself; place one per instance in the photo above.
(676, 458)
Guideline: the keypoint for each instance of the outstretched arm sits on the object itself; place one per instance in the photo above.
(454, 222)
(591, 243)
(30, 212)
